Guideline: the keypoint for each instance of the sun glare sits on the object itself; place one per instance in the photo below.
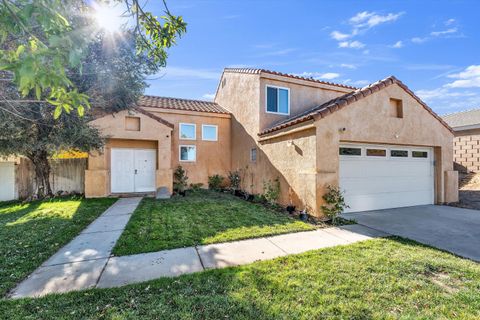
(109, 18)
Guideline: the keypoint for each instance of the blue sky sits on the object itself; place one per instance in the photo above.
(432, 46)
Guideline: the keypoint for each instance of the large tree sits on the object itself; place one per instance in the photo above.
(110, 75)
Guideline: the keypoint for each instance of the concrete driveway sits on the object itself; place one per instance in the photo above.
(456, 230)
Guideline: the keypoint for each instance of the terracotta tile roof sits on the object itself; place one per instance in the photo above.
(259, 71)
(463, 118)
(180, 104)
(343, 101)
(155, 117)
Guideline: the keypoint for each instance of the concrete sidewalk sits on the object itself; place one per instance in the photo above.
(170, 263)
(86, 262)
(79, 264)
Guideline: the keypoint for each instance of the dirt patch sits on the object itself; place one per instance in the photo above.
(444, 281)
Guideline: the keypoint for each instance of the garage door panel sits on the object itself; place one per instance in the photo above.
(372, 183)
(384, 201)
(384, 168)
(380, 184)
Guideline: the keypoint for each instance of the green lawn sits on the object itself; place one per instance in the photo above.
(200, 218)
(376, 279)
(30, 233)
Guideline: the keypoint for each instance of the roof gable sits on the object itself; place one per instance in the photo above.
(338, 103)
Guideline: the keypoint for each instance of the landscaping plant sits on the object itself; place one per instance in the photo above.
(215, 182)
(180, 179)
(334, 203)
(234, 178)
(271, 191)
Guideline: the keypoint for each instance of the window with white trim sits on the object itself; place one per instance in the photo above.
(253, 154)
(188, 153)
(187, 131)
(278, 100)
(209, 132)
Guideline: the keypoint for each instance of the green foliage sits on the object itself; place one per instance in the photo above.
(31, 232)
(196, 186)
(234, 179)
(334, 203)
(215, 182)
(203, 217)
(42, 40)
(180, 179)
(271, 190)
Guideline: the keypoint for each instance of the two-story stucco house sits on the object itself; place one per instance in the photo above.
(381, 144)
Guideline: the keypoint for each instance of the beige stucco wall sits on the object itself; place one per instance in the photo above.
(304, 95)
(213, 157)
(370, 121)
(152, 135)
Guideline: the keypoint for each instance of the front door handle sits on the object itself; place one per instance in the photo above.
(135, 171)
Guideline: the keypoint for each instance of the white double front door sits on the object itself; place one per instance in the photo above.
(133, 170)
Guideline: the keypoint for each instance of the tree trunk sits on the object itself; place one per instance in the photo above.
(42, 174)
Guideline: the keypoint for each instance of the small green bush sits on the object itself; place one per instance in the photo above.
(196, 186)
(234, 179)
(334, 203)
(180, 179)
(271, 190)
(215, 182)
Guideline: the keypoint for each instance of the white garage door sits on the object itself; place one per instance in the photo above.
(380, 177)
(7, 181)
(133, 170)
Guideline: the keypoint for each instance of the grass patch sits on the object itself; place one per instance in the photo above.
(377, 279)
(31, 232)
(201, 217)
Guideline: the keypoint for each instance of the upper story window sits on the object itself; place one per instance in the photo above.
(187, 131)
(209, 132)
(278, 100)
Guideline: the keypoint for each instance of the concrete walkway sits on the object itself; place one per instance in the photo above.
(79, 264)
(87, 262)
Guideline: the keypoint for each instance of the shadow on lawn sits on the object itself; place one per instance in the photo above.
(31, 232)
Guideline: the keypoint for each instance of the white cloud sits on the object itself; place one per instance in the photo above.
(209, 96)
(450, 22)
(367, 20)
(320, 76)
(337, 35)
(351, 44)
(469, 78)
(348, 66)
(397, 45)
(419, 40)
(442, 33)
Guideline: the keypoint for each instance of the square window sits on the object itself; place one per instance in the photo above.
(278, 100)
(188, 131)
(253, 154)
(343, 151)
(396, 108)
(132, 123)
(399, 153)
(188, 153)
(209, 132)
(420, 154)
(376, 153)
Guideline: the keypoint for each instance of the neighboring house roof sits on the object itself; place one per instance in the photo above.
(340, 102)
(180, 104)
(467, 118)
(259, 71)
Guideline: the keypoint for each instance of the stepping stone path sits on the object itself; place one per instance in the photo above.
(86, 262)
